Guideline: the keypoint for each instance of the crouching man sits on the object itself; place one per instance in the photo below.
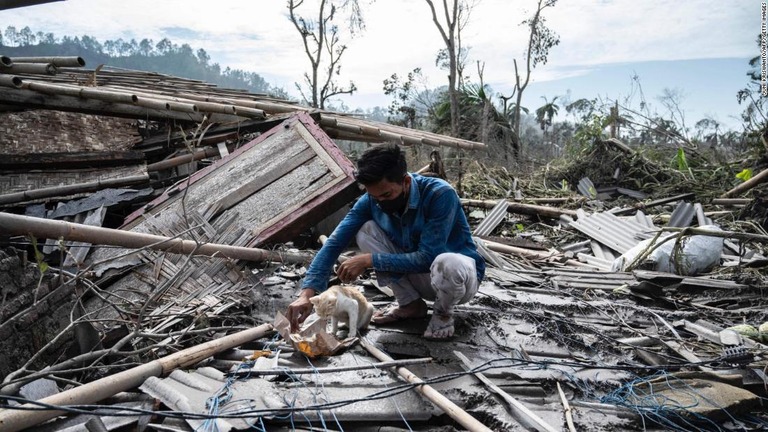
(412, 230)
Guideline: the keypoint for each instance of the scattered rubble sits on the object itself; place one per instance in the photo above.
(169, 253)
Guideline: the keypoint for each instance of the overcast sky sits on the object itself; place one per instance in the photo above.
(595, 34)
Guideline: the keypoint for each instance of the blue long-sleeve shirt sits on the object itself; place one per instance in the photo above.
(433, 223)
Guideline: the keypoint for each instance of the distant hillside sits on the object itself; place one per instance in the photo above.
(164, 57)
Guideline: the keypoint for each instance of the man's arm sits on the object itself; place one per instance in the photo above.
(440, 219)
(320, 269)
(316, 279)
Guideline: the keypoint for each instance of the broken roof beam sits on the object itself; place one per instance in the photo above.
(72, 189)
(12, 224)
(520, 208)
(214, 135)
(69, 160)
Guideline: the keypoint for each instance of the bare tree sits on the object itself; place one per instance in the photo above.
(321, 38)
(540, 40)
(455, 17)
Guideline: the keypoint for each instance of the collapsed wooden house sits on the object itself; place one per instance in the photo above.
(179, 338)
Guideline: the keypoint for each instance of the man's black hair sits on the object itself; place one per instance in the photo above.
(381, 162)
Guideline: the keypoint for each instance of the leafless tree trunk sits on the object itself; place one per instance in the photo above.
(456, 16)
(321, 36)
(540, 40)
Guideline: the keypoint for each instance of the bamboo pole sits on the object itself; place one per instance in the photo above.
(56, 61)
(45, 228)
(442, 402)
(6, 61)
(31, 99)
(10, 81)
(72, 189)
(731, 201)
(567, 409)
(538, 421)
(747, 185)
(191, 157)
(520, 208)
(528, 253)
(29, 68)
(80, 92)
(12, 420)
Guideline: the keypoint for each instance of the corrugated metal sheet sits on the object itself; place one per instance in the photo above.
(632, 193)
(587, 188)
(588, 279)
(492, 219)
(644, 220)
(682, 216)
(191, 391)
(618, 234)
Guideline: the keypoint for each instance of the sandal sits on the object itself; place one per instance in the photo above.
(439, 329)
(394, 313)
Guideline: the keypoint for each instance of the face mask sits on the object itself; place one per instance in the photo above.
(395, 205)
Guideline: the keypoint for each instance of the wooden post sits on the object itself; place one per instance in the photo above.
(12, 420)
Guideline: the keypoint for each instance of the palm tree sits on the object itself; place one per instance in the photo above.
(546, 112)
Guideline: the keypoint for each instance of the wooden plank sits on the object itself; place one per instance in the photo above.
(258, 183)
(69, 160)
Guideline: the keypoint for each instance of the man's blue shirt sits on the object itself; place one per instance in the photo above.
(433, 223)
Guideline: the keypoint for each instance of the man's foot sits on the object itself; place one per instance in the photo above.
(394, 313)
(440, 327)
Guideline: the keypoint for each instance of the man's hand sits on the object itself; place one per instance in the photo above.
(300, 309)
(350, 269)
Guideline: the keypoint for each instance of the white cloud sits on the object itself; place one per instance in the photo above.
(257, 36)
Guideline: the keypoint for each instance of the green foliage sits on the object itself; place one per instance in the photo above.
(755, 115)
(39, 258)
(744, 175)
(682, 162)
(164, 57)
(589, 131)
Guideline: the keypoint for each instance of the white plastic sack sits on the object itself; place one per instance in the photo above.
(699, 254)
